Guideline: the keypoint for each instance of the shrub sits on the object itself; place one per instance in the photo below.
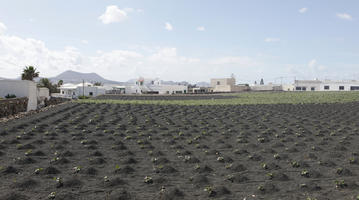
(10, 96)
(84, 97)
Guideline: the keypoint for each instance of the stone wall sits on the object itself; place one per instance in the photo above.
(55, 101)
(12, 106)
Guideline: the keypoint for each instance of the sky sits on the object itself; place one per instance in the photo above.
(182, 40)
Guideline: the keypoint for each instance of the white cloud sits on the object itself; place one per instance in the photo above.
(163, 62)
(168, 26)
(201, 28)
(272, 40)
(3, 28)
(312, 63)
(303, 10)
(242, 61)
(113, 14)
(344, 16)
(84, 41)
(128, 10)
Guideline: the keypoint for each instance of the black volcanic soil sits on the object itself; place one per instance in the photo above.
(165, 97)
(108, 151)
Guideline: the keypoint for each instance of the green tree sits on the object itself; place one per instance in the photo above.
(262, 82)
(44, 82)
(61, 82)
(97, 84)
(29, 73)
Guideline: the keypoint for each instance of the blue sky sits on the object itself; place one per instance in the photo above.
(183, 39)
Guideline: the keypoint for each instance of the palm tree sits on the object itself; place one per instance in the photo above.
(29, 73)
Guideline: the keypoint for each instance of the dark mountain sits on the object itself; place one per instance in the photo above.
(77, 77)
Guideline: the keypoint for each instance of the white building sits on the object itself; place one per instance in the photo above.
(226, 85)
(154, 86)
(69, 90)
(24, 88)
(326, 85)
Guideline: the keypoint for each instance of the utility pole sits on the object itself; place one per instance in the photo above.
(83, 87)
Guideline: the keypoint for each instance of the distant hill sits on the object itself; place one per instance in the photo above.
(77, 77)
(203, 84)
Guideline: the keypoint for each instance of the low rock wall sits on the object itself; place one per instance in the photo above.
(55, 101)
(12, 106)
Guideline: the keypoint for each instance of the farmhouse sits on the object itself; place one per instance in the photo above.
(326, 85)
(69, 90)
(226, 85)
(24, 88)
(155, 86)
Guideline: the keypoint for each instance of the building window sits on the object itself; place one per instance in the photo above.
(63, 92)
(304, 88)
(73, 93)
(298, 88)
(312, 88)
(218, 83)
(90, 93)
(354, 88)
(326, 87)
(341, 87)
(152, 82)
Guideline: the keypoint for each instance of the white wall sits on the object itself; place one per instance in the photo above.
(44, 93)
(88, 90)
(169, 89)
(320, 86)
(335, 86)
(20, 88)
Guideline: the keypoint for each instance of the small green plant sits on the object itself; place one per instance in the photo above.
(220, 159)
(77, 169)
(304, 173)
(352, 160)
(28, 152)
(295, 164)
(311, 198)
(340, 184)
(276, 156)
(38, 170)
(209, 190)
(106, 179)
(270, 175)
(59, 182)
(52, 195)
(339, 170)
(148, 180)
(261, 188)
(228, 166)
(264, 166)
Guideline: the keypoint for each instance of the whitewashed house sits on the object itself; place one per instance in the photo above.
(69, 90)
(326, 85)
(156, 86)
(24, 88)
(226, 85)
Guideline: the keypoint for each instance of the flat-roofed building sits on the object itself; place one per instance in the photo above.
(326, 85)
